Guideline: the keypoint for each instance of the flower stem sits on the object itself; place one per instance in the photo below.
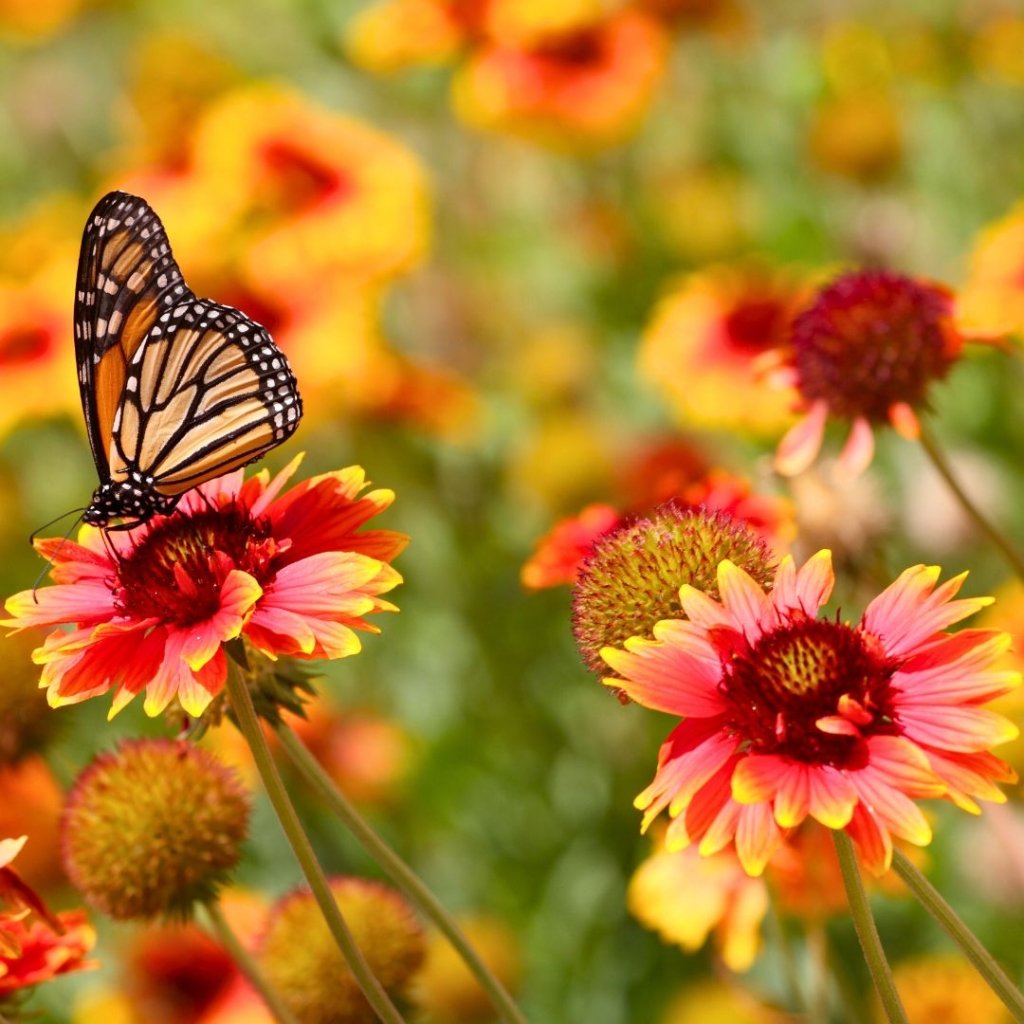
(941, 464)
(246, 963)
(982, 960)
(248, 723)
(867, 933)
(399, 872)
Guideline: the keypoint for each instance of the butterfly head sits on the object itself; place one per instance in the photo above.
(126, 499)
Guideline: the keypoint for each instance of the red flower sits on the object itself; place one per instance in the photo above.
(152, 607)
(786, 716)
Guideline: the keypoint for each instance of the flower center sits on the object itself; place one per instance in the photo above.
(756, 325)
(176, 571)
(811, 690)
(871, 340)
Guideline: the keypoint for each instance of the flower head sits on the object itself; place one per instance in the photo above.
(301, 960)
(152, 607)
(631, 577)
(867, 350)
(153, 828)
(786, 715)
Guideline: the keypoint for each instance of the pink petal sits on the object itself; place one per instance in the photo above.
(858, 451)
(959, 727)
(972, 777)
(745, 601)
(912, 610)
(807, 589)
(800, 447)
(904, 421)
(677, 673)
(82, 602)
(238, 594)
(271, 490)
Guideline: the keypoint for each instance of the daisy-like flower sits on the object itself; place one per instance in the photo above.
(152, 607)
(786, 715)
(708, 339)
(585, 89)
(866, 350)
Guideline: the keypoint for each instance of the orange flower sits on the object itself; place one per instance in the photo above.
(34, 325)
(33, 950)
(31, 801)
(588, 89)
(706, 347)
(785, 716)
(153, 606)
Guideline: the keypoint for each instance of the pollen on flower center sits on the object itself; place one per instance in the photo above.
(810, 690)
(176, 571)
(871, 340)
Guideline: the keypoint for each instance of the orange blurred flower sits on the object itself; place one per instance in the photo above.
(708, 340)
(35, 21)
(858, 135)
(31, 801)
(945, 987)
(36, 945)
(366, 755)
(586, 89)
(36, 376)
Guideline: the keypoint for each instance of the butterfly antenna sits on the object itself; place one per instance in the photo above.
(49, 562)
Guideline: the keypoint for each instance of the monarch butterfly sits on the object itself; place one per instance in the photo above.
(176, 390)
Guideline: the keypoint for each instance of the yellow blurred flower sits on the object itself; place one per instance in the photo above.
(855, 56)
(858, 135)
(34, 21)
(945, 987)
(716, 1003)
(319, 192)
(171, 77)
(393, 35)
(446, 991)
(705, 213)
(991, 301)
(707, 340)
(584, 90)
(998, 49)
(685, 896)
(528, 23)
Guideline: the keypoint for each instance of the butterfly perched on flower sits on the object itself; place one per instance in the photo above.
(176, 390)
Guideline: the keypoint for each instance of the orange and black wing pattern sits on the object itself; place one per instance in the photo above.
(176, 390)
(126, 276)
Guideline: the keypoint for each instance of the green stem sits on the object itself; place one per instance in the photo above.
(941, 464)
(248, 723)
(399, 872)
(981, 958)
(246, 963)
(867, 933)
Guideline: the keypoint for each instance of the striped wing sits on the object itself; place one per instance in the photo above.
(127, 277)
(206, 391)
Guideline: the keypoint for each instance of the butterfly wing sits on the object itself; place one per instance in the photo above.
(126, 277)
(206, 391)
